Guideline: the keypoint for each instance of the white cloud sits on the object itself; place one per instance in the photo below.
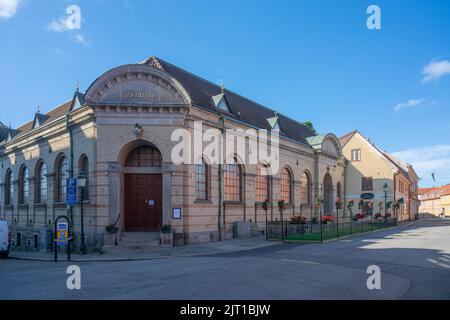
(409, 104)
(57, 25)
(81, 39)
(427, 160)
(435, 70)
(8, 8)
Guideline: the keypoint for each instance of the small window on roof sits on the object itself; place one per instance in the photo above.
(274, 123)
(220, 102)
(276, 126)
(76, 104)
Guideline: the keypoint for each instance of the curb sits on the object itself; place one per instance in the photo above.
(140, 259)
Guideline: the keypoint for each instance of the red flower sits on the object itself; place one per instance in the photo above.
(328, 218)
(299, 219)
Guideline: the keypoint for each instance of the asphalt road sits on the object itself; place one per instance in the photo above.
(414, 264)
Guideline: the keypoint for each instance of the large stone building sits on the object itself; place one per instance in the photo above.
(119, 134)
(369, 169)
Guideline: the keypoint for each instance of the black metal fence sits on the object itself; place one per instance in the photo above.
(320, 231)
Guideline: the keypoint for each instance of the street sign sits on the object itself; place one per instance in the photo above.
(71, 192)
(367, 196)
(62, 233)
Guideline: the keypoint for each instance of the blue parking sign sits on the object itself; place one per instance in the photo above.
(71, 192)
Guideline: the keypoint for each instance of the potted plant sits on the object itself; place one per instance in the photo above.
(389, 205)
(111, 234)
(281, 205)
(111, 229)
(298, 220)
(166, 235)
(266, 205)
(380, 206)
(327, 218)
(350, 204)
(338, 203)
(318, 202)
(360, 204)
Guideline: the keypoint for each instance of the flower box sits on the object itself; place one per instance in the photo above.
(327, 219)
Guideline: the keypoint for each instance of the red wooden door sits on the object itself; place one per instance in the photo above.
(143, 202)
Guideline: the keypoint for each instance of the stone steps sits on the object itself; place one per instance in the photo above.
(129, 241)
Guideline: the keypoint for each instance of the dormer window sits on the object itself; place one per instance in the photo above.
(76, 104)
(36, 123)
(39, 119)
(78, 101)
(274, 123)
(220, 102)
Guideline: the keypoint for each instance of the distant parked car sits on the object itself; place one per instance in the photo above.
(5, 239)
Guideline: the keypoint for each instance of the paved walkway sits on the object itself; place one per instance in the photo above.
(156, 253)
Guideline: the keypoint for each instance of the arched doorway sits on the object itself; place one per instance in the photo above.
(328, 194)
(143, 189)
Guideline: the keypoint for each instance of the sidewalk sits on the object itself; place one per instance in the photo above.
(226, 246)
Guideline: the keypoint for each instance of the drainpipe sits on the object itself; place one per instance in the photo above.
(345, 187)
(69, 128)
(219, 172)
(316, 182)
(393, 196)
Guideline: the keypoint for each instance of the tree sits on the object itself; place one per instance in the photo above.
(309, 125)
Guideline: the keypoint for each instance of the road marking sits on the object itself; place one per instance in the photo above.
(444, 259)
(443, 265)
(301, 261)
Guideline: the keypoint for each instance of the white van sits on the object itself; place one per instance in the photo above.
(5, 237)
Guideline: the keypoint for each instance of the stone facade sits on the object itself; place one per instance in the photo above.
(102, 124)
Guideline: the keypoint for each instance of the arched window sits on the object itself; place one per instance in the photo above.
(305, 188)
(286, 186)
(41, 183)
(201, 180)
(62, 173)
(339, 190)
(328, 195)
(262, 183)
(83, 167)
(9, 188)
(233, 182)
(144, 157)
(24, 185)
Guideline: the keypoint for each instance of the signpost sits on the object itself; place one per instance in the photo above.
(71, 192)
(62, 235)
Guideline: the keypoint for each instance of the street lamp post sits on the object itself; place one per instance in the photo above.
(386, 190)
(81, 180)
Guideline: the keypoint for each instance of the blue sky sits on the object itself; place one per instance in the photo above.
(311, 60)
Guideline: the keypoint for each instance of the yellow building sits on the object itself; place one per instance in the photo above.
(445, 203)
(377, 177)
(435, 201)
